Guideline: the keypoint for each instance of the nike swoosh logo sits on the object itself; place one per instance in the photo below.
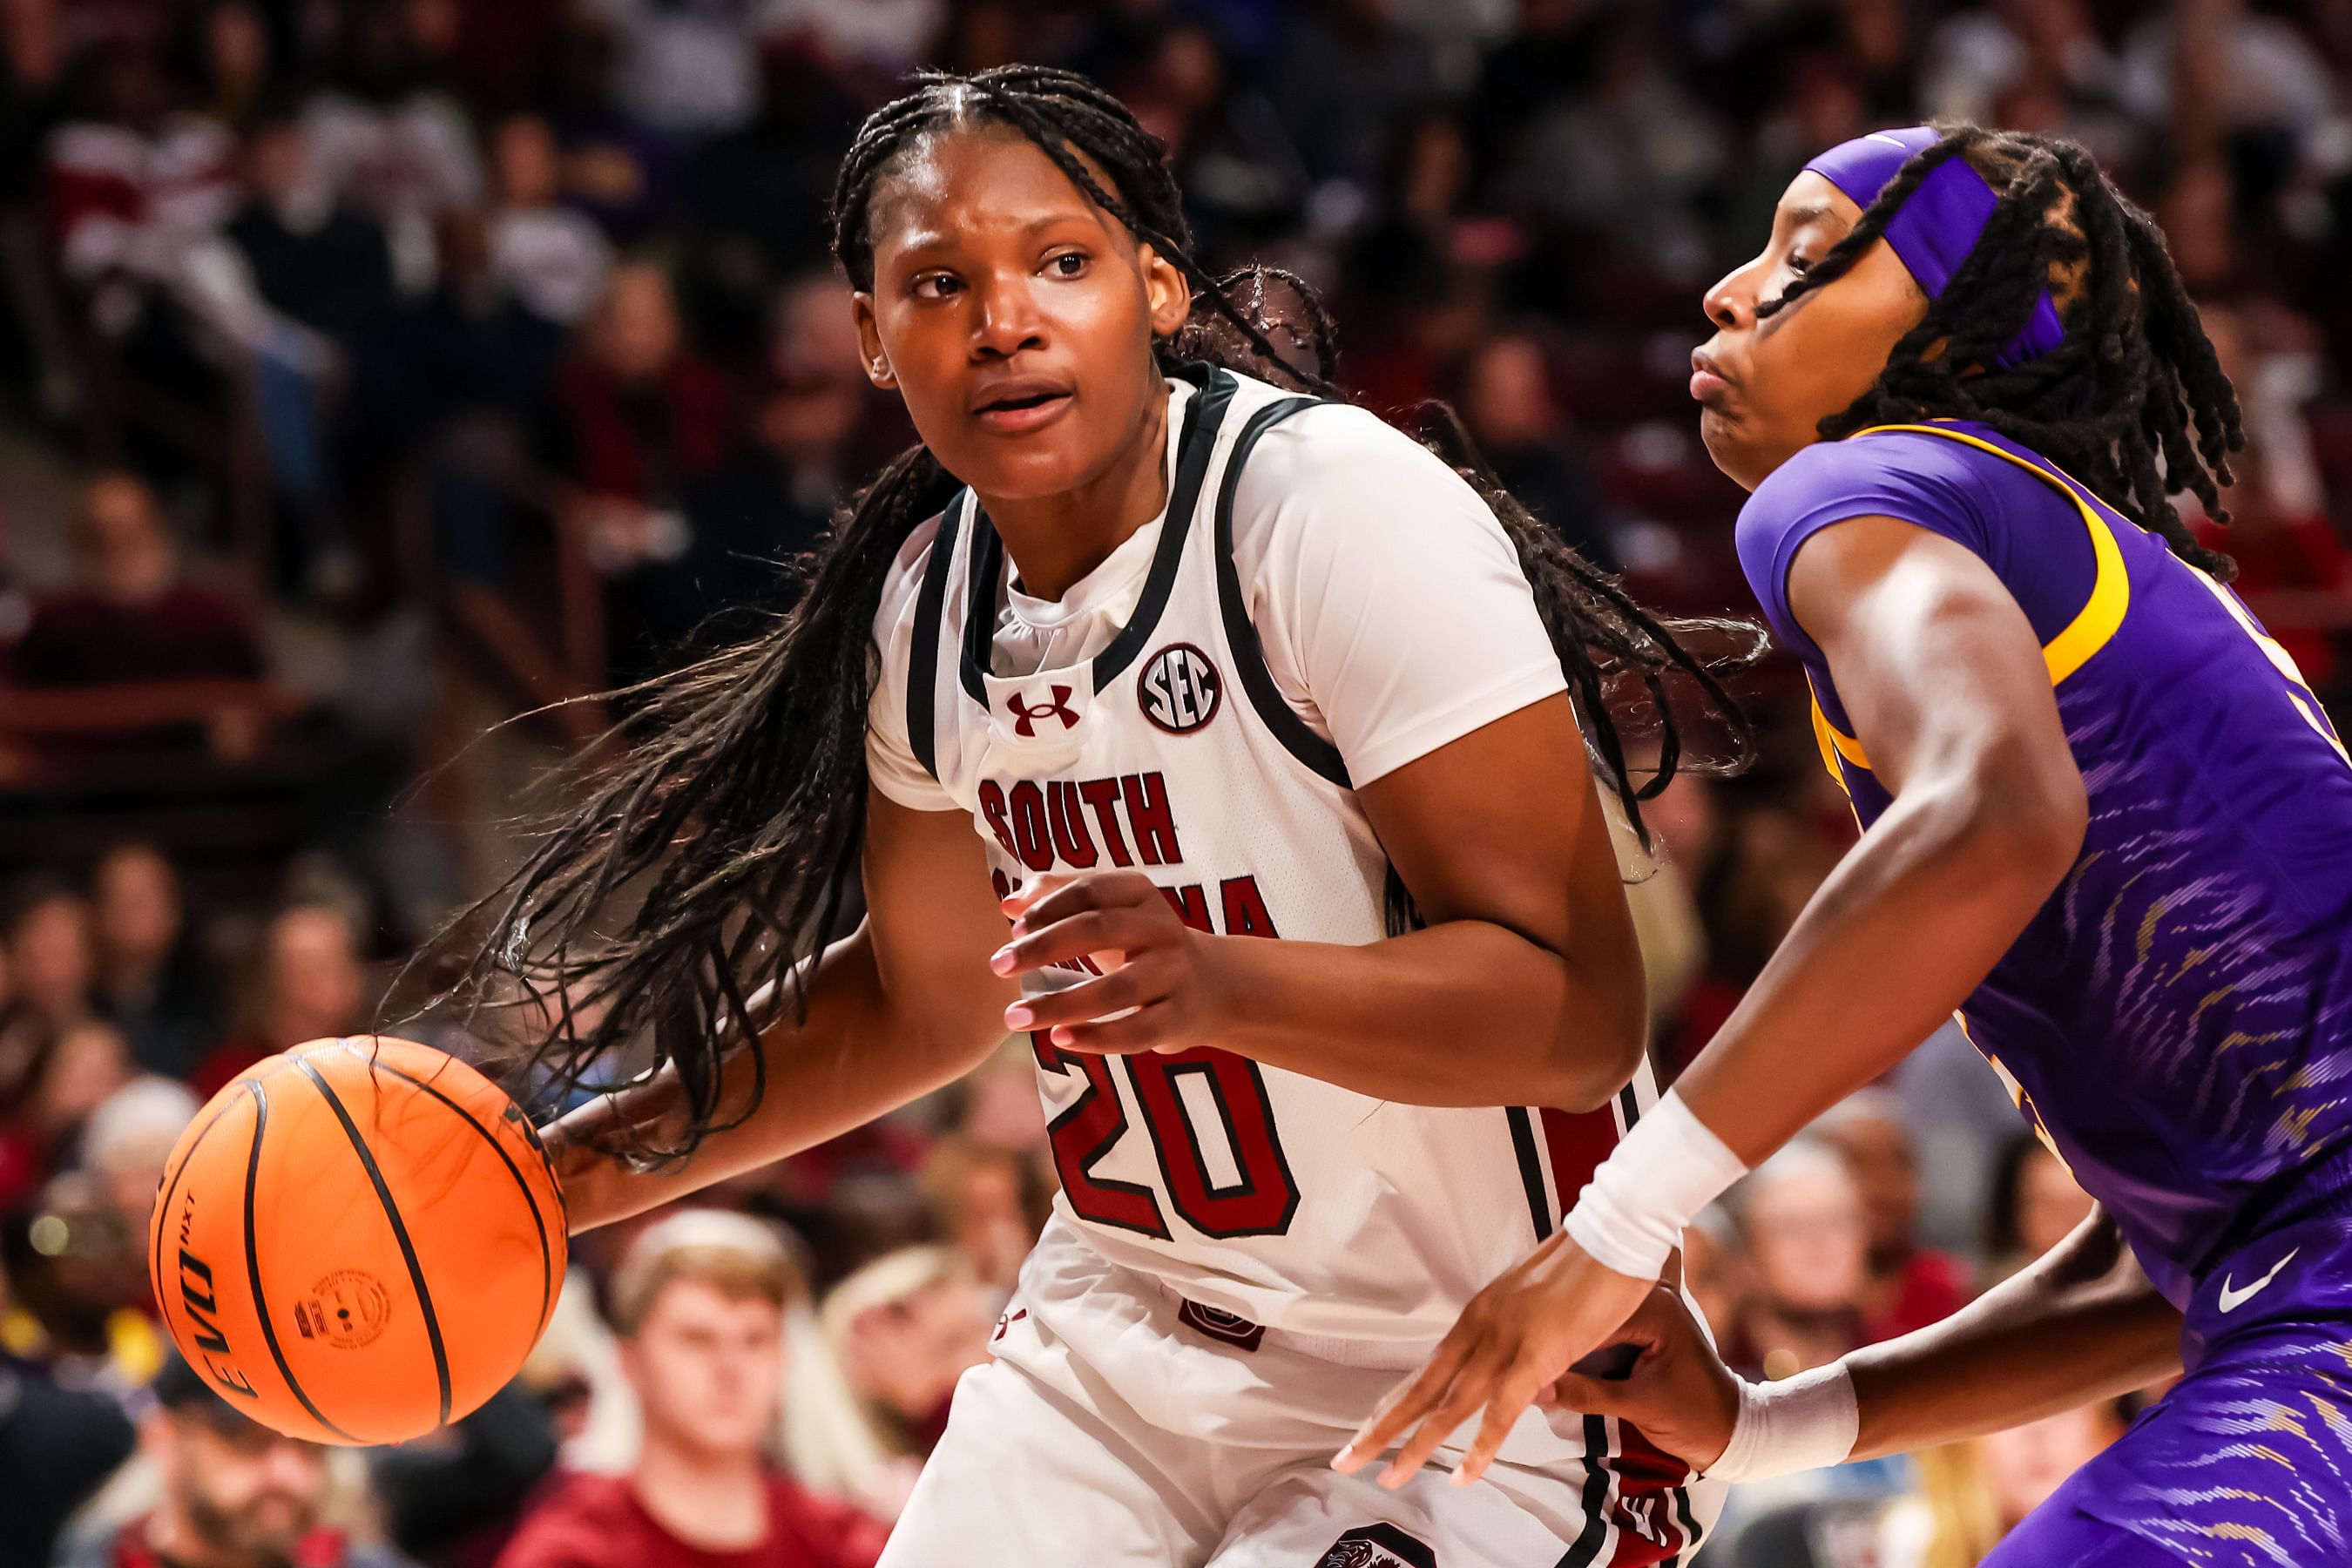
(2233, 1299)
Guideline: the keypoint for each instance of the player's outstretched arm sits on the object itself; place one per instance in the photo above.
(1946, 682)
(903, 1007)
(2082, 1323)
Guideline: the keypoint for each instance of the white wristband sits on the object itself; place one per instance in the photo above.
(1801, 1423)
(1631, 1216)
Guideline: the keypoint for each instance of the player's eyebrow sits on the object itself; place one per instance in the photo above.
(1811, 213)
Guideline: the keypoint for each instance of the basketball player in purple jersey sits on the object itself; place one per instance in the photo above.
(2104, 821)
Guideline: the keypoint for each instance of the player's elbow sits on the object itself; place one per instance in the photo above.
(1596, 1057)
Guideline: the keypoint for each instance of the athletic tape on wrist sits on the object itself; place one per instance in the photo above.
(1804, 1423)
(1631, 1216)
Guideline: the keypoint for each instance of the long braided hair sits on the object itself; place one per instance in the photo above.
(2132, 402)
(740, 810)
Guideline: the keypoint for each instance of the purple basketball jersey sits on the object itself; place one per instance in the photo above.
(2177, 1020)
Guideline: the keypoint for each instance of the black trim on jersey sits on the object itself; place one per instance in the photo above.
(1204, 415)
(1241, 637)
(1587, 1548)
(1523, 1143)
(986, 570)
(1630, 1105)
(923, 651)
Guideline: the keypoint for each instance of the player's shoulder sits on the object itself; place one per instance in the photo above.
(1333, 472)
(1914, 475)
(1331, 444)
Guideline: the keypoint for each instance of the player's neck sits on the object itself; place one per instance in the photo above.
(1055, 541)
(717, 1502)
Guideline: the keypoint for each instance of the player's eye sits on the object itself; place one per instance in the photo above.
(1799, 264)
(935, 284)
(1068, 264)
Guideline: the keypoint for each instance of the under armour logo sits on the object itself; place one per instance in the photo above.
(1025, 714)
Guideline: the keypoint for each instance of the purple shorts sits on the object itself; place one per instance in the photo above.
(2248, 1460)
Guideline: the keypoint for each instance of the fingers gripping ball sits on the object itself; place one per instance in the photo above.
(357, 1241)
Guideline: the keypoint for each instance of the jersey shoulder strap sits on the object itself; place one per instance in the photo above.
(1242, 641)
(923, 655)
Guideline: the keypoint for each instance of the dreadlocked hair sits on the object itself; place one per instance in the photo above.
(2132, 401)
(735, 820)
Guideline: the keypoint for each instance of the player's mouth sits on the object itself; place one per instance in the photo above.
(1708, 383)
(1018, 403)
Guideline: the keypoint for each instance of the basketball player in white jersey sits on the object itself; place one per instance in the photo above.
(1253, 717)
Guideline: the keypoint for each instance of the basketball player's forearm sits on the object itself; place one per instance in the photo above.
(1464, 1012)
(1897, 938)
(852, 1058)
(2081, 1324)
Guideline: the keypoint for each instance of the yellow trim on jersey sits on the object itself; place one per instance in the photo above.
(2101, 616)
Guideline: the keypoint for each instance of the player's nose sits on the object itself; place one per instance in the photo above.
(1006, 318)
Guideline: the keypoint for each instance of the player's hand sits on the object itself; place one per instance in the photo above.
(1160, 989)
(1515, 1340)
(1677, 1390)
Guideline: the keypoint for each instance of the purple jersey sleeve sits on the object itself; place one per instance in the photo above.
(2016, 522)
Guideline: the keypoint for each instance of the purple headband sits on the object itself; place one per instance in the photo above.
(1937, 224)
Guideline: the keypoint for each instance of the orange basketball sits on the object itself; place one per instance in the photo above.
(357, 1241)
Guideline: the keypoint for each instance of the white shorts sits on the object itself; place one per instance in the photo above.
(1115, 1428)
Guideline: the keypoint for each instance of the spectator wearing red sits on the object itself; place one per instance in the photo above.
(1910, 1286)
(310, 987)
(133, 184)
(698, 1301)
(128, 615)
(640, 418)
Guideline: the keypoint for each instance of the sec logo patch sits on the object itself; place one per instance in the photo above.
(1179, 690)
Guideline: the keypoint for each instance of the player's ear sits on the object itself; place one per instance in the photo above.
(870, 342)
(1168, 290)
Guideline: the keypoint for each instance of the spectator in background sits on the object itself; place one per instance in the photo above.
(1506, 403)
(905, 1328)
(1971, 1494)
(1348, 75)
(84, 1063)
(699, 1303)
(617, 168)
(309, 988)
(2034, 1205)
(151, 980)
(1910, 1286)
(389, 143)
(134, 183)
(305, 274)
(127, 618)
(1802, 1229)
(49, 971)
(56, 1445)
(639, 416)
(127, 1140)
(991, 1202)
(79, 1300)
(234, 62)
(550, 259)
(234, 1494)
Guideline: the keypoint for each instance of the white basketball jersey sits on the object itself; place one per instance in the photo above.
(1286, 1201)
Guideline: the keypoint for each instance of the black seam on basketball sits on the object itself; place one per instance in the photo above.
(546, 1260)
(253, 1268)
(399, 1231)
(163, 1213)
(1242, 643)
(923, 654)
(1204, 416)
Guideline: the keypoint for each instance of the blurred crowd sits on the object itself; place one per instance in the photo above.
(524, 314)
